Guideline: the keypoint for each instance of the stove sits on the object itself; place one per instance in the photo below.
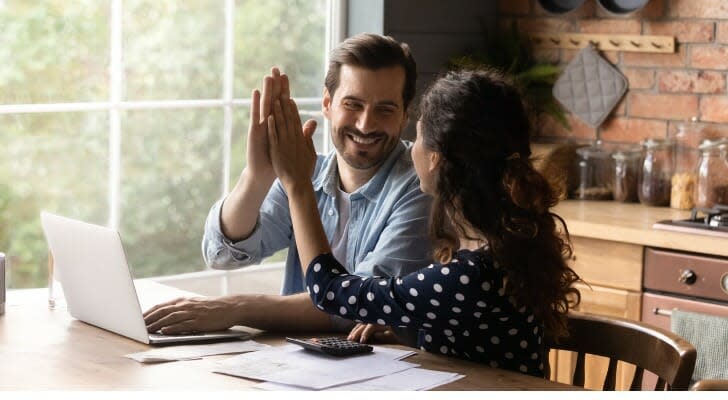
(704, 221)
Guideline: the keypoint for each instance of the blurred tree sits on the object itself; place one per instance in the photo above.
(171, 160)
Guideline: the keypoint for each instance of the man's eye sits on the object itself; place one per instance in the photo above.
(352, 106)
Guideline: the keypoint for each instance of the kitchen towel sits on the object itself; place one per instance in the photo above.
(590, 87)
(709, 335)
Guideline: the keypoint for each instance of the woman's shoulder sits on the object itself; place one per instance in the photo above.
(480, 258)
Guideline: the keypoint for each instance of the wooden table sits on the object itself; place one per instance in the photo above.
(43, 349)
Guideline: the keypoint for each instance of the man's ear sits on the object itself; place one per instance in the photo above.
(404, 121)
(326, 103)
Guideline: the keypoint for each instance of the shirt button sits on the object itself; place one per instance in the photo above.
(331, 212)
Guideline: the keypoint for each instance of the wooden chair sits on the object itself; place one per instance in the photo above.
(649, 348)
(710, 384)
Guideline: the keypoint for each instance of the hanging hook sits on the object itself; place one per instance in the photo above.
(555, 41)
(656, 45)
(575, 42)
(615, 43)
(635, 44)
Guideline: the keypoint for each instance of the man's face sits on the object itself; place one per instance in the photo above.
(367, 114)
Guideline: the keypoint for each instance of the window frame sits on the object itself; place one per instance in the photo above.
(335, 31)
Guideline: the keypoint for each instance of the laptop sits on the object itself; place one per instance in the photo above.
(90, 264)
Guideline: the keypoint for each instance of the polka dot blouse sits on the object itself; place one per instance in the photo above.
(460, 308)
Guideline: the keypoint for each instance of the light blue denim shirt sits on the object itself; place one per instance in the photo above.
(388, 224)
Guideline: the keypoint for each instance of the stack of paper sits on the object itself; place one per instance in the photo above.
(293, 368)
(193, 352)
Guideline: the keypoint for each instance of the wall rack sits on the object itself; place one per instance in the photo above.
(635, 43)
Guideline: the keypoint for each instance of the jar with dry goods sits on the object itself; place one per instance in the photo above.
(712, 185)
(595, 173)
(687, 138)
(656, 172)
(627, 164)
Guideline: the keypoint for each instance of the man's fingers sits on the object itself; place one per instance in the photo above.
(162, 305)
(169, 320)
(187, 326)
(309, 128)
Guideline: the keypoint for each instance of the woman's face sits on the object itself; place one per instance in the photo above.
(425, 162)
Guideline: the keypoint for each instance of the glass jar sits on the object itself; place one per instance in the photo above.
(595, 173)
(626, 169)
(684, 180)
(656, 172)
(712, 174)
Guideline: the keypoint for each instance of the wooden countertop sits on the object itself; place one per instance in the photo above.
(632, 223)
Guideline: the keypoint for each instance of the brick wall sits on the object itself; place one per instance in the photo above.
(665, 89)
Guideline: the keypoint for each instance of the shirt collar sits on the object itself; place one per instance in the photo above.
(328, 180)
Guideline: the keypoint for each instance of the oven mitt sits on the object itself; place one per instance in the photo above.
(590, 87)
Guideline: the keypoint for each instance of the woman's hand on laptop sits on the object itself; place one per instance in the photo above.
(186, 315)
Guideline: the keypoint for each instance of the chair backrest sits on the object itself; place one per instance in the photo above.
(649, 348)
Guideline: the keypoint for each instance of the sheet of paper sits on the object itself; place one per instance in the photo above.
(292, 365)
(192, 352)
(411, 379)
(394, 354)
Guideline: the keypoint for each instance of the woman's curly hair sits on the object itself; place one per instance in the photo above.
(486, 184)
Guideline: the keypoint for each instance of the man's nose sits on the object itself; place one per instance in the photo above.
(366, 121)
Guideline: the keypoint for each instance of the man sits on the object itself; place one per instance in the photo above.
(373, 212)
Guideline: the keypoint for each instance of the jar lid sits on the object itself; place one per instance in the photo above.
(653, 143)
(713, 143)
(627, 153)
(593, 151)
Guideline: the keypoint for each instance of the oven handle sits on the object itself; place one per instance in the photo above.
(662, 311)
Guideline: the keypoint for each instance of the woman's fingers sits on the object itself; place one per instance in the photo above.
(255, 108)
(265, 99)
(355, 332)
(285, 87)
(281, 121)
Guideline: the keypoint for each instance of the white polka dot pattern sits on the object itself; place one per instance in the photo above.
(460, 308)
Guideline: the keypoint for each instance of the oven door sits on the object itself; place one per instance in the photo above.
(656, 309)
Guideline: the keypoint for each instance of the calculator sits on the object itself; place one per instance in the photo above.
(333, 346)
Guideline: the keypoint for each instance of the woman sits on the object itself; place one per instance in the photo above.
(502, 280)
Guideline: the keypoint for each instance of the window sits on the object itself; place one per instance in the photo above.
(133, 114)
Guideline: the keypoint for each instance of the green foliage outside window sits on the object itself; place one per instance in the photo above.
(172, 159)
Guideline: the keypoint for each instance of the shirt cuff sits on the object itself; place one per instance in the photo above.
(242, 249)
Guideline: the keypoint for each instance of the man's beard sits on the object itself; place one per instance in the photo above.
(363, 159)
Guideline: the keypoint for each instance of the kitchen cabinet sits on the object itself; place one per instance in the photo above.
(609, 240)
(613, 273)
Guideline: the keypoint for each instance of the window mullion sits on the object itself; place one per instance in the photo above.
(115, 76)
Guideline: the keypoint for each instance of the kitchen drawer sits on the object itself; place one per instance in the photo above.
(608, 263)
(686, 274)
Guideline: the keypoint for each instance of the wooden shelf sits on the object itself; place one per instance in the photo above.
(634, 43)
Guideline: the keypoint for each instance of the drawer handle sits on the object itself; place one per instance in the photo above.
(688, 277)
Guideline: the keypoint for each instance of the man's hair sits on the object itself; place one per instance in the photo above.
(373, 52)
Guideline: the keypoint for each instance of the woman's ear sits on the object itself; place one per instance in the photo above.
(435, 158)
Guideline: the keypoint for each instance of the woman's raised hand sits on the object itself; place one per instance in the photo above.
(291, 144)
